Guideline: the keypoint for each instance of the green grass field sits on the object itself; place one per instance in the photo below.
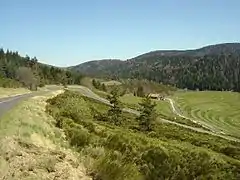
(220, 109)
(162, 108)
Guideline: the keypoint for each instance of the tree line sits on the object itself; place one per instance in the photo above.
(16, 71)
(98, 85)
(209, 72)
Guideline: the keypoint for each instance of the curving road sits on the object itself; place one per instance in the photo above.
(88, 93)
(9, 102)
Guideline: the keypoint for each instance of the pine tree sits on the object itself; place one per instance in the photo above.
(98, 85)
(134, 93)
(148, 114)
(115, 112)
(103, 87)
(94, 83)
(140, 92)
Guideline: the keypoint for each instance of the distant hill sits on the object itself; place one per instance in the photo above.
(214, 67)
(208, 50)
(97, 67)
(32, 71)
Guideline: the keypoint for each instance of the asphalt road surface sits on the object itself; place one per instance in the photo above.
(9, 102)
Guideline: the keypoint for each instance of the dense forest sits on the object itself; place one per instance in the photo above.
(209, 68)
(16, 71)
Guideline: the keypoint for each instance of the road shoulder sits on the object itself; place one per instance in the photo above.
(31, 146)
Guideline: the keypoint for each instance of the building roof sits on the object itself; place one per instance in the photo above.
(154, 95)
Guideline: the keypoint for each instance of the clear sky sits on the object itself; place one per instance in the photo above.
(69, 32)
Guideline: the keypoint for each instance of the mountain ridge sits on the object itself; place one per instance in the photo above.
(213, 67)
(169, 52)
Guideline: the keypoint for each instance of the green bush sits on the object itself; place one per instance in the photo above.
(121, 143)
(9, 83)
(231, 151)
(75, 107)
(113, 167)
(78, 137)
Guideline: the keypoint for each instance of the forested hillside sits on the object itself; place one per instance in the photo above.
(213, 67)
(18, 71)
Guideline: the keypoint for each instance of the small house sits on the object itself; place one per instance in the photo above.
(156, 96)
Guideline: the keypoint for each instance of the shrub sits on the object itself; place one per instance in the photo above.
(113, 167)
(231, 151)
(159, 164)
(119, 142)
(9, 83)
(120, 153)
(78, 137)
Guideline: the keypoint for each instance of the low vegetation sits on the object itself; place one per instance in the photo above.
(144, 87)
(98, 85)
(126, 151)
(33, 148)
(9, 83)
(128, 86)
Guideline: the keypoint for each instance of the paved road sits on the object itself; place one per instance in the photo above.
(9, 102)
(87, 92)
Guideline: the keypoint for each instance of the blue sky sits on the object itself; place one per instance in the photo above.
(69, 32)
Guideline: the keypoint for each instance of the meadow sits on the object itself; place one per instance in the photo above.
(220, 109)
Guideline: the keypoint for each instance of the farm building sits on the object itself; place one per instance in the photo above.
(156, 96)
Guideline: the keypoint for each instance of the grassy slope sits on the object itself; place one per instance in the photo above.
(163, 109)
(168, 152)
(132, 102)
(31, 146)
(87, 81)
(111, 83)
(220, 109)
(131, 85)
(129, 100)
(6, 92)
